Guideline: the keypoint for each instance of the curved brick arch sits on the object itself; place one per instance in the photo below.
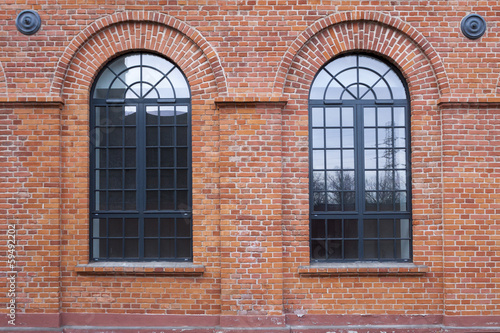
(151, 39)
(363, 31)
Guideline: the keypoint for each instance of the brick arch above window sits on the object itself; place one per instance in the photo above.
(369, 32)
(153, 31)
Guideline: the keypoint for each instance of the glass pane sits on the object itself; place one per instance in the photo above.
(387, 249)
(348, 159)
(151, 248)
(351, 249)
(318, 249)
(115, 179)
(115, 249)
(401, 202)
(182, 157)
(131, 248)
(130, 179)
(334, 180)
(333, 138)
(370, 229)
(349, 183)
(382, 91)
(333, 117)
(167, 157)
(384, 117)
(369, 116)
(167, 248)
(151, 157)
(318, 229)
(167, 200)
(115, 115)
(130, 136)
(151, 179)
(373, 64)
(183, 227)
(115, 227)
(347, 138)
(386, 180)
(403, 228)
(184, 248)
(129, 200)
(384, 139)
(349, 201)
(182, 136)
(150, 227)
(115, 136)
(370, 138)
(334, 228)
(386, 201)
(130, 115)
(404, 249)
(167, 227)
(151, 136)
(351, 229)
(370, 159)
(181, 115)
(115, 158)
(334, 249)
(400, 180)
(318, 181)
(182, 178)
(400, 158)
(347, 117)
(165, 89)
(399, 137)
(386, 228)
(151, 115)
(319, 85)
(130, 158)
(182, 200)
(333, 159)
(317, 117)
(99, 228)
(318, 159)
(396, 85)
(334, 201)
(399, 116)
(385, 159)
(371, 201)
(180, 84)
(103, 83)
(319, 201)
(115, 200)
(151, 200)
(167, 115)
(370, 248)
(318, 138)
(370, 180)
(167, 179)
(167, 136)
(131, 227)
(334, 91)
(368, 77)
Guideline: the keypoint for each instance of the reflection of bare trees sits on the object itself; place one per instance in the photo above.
(331, 188)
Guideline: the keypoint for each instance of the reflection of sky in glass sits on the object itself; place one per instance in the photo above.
(154, 78)
(357, 77)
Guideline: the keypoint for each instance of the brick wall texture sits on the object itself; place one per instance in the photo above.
(250, 64)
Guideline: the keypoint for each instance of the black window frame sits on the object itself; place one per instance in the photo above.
(333, 229)
(173, 225)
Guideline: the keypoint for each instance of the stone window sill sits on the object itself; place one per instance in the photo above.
(140, 268)
(364, 268)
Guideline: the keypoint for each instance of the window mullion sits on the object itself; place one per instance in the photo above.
(141, 172)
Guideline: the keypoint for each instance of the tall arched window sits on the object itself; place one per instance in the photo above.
(360, 187)
(140, 155)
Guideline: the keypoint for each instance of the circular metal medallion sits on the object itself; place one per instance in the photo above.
(28, 22)
(473, 26)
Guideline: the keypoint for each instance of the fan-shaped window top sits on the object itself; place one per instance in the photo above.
(357, 77)
(141, 76)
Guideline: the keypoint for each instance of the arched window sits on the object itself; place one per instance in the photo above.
(360, 187)
(140, 161)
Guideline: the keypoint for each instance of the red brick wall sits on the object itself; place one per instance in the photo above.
(250, 65)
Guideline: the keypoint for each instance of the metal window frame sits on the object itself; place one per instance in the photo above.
(360, 212)
(140, 212)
